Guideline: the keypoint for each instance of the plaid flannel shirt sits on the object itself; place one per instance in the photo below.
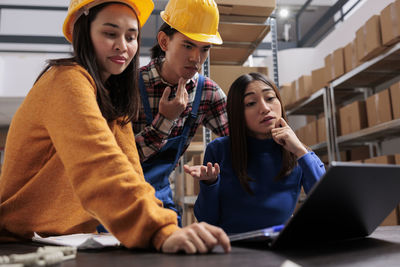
(211, 112)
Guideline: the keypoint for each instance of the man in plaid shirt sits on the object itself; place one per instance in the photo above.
(211, 113)
(169, 84)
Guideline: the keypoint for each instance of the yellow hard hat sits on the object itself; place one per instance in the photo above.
(197, 19)
(143, 9)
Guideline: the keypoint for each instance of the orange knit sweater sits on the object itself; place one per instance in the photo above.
(66, 169)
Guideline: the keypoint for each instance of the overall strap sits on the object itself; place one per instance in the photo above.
(145, 99)
(192, 116)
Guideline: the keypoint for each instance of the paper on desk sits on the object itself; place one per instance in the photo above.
(80, 241)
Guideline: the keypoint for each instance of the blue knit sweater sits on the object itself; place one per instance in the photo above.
(228, 205)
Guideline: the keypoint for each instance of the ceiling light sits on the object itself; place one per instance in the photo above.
(284, 13)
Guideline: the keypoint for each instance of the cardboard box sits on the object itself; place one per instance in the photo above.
(338, 62)
(305, 84)
(225, 75)
(387, 159)
(334, 64)
(369, 40)
(353, 117)
(359, 153)
(311, 133)
(378, 108)
(321, 130)
(390, 24)
(392, 218)
(397, 159)
(254, 11)
(329, 68)
(395, 99)
(287, 96)
(350, 56)
(319, 79)
(296, 92)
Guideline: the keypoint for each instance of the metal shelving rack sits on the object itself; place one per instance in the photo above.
(369, 77)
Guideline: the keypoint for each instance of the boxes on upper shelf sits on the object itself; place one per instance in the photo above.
(395, 99)
(295, 91)
(369, 40)
(378, 108)
(390, 24)
(305, 84)
(287, 96)
(334, 64)
(350, 56)
(242, 27)
(319, 79)
(301, 88)
(353, 117)
(254, 11)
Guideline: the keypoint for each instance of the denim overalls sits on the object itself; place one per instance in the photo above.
(158, 168)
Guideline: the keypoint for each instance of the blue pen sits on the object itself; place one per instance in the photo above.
(273, 229)
(261, 234)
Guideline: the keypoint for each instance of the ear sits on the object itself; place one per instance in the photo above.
(163, 40)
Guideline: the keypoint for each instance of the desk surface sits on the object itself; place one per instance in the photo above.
(382, 248)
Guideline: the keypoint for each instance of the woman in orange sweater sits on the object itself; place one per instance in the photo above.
(70, 159)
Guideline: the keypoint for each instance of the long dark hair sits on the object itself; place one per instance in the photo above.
(119, 96)
(156, 50)
(238, 129)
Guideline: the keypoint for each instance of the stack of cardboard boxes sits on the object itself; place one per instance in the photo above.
(376, 109)
(374, 37)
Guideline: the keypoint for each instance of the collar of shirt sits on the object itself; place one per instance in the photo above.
(157, 82)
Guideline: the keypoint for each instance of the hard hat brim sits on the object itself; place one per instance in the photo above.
(213, 39)
(143, 10)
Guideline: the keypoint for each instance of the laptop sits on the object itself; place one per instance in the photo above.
(350, 201)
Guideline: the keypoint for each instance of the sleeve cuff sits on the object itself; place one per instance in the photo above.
(162, 234)
(211, 187)
(309, 159)
(163, 125)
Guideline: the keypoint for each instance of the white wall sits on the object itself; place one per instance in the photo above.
(18, 72)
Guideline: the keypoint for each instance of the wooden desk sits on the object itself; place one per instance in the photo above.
(382, 248)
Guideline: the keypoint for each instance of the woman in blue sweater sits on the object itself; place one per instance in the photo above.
(252, 178)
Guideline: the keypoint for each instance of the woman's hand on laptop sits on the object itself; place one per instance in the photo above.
(208, 174)
(196, 238)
